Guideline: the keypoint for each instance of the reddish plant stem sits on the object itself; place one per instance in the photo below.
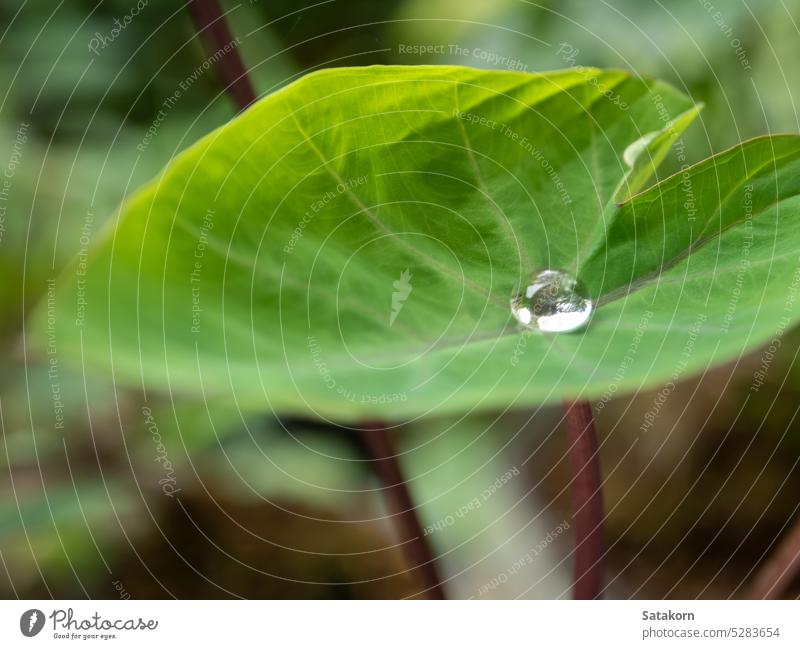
(587, 500)
(780, 568)
(210, 23)
(383, 460)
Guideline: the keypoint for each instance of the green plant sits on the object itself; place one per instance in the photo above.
(245, 250)
(349, 248)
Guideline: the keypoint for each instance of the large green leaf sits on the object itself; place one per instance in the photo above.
(291, 228)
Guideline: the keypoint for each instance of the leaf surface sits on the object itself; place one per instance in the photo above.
(349, 245)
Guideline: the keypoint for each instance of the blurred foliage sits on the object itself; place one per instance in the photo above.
(74, 498)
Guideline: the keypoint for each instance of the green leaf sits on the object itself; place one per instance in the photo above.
(349, 246)
(645, 154)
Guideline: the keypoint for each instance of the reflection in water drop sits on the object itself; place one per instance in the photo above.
(552, 302)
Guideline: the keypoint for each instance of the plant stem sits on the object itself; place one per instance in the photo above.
(383, 460)
(587, 500)
(210, 23)
(780, 569)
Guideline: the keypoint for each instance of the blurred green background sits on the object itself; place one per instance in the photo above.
(269, 508)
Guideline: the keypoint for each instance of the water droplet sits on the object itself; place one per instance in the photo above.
(554, 301)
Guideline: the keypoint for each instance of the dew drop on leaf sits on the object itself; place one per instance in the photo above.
(552, 302)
